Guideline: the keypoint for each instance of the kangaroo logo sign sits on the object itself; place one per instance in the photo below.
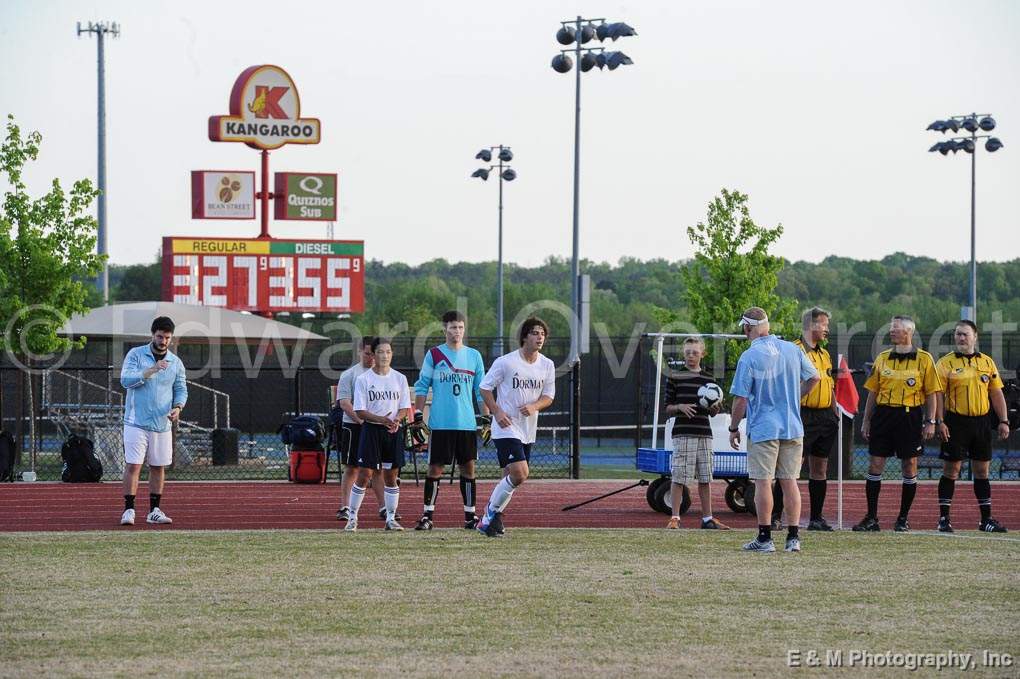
(265, 112)
(306, 196)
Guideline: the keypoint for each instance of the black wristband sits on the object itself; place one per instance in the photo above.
(1006, 422)
(732, 430)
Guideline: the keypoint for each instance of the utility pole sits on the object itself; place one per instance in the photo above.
(100, 29)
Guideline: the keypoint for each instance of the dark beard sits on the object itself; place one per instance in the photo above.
(156, 353)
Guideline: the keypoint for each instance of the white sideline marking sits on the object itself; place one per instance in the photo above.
(935, 533)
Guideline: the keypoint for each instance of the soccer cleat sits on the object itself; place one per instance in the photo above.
(674, 523)
(393, 525)
(902, 525)
(818, 524)
(867, 524)
(471, 524)
(157, 516)
(992, 526)
(343, 514)
(127, 518)
(352, 523)
(490, 526)
(793, 544)
(944, 525)
(714, 524)
(382, 514)
(496, 525)
(763, 547)
(424, 523)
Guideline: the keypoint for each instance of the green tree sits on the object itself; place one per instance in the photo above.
(47, 247)
(731, 271)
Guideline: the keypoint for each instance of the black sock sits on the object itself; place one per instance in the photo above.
(777, 500)
(467, 493)
(431, 494)
(872, 487)
(129, 502)
(154, 500)
(907, 494)
(792, 532)
(983, 493)
(764, 533)
(816, 490)
(946, 488)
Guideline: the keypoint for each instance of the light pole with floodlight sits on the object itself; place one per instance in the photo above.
(506, 173)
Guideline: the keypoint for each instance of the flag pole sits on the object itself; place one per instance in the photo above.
(839, 459)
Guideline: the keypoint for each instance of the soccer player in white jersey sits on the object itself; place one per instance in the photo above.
(525, 383)
(381, 399)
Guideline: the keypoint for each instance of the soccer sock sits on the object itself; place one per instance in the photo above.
(129, 502)
(431, 493)
(154, 500)
(501, 495)
(946, 488)
(816, 491)
(907, 495)
(391, 496)
(872, 487)
(467, 492)
(983, 493)
(777, 500)
(764, 533)
(792, 532)
(357, 495)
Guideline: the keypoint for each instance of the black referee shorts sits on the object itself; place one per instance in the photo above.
(821, 426)
(896, 432)
(969, 437)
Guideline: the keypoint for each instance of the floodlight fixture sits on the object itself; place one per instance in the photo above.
(484, 155)
(509, 174)
(987, 123)
(506, 155)
(993, 144)
(562, 63)
(482, 173)
(566, 35)
(970, 124)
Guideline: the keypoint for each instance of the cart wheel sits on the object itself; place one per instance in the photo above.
(685, 502)
(735, 496)
(652, 494)
(749, 497)
(661, 496)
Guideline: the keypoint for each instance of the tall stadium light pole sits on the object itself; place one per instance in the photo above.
(100, 29)
(970, 123)
(578, 32)
(507, 173)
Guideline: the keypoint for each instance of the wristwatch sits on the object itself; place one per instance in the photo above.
(734, 430)
(931, 421)
(1006, 422)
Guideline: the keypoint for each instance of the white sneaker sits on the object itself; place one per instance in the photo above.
(127, 518)
(393, 525)
(352, 523)
(763, 547)
(793, 545)
(157, 516)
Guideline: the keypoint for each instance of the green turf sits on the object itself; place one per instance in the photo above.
(452, 603)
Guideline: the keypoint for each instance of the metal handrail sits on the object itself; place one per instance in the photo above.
(215, 392)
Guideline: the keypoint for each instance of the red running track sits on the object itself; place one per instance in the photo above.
(280, 505)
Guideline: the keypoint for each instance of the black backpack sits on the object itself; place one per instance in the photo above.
(304, 432)
(80, 462)
(7, 454)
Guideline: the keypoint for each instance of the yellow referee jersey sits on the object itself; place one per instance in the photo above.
(967, 379)
(821, 395)
(903, 380)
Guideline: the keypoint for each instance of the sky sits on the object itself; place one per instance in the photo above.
(816, 110)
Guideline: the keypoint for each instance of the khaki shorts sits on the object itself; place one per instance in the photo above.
(692, 459)
(780, 459)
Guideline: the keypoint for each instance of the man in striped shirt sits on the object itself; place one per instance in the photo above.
(972, 387)
(692, 434)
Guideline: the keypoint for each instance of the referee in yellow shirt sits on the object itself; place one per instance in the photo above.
(972, 387)
(820, 418)
(902, 391)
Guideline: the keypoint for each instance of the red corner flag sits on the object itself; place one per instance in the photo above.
(846, 393)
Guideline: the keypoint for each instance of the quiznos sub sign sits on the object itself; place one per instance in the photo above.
(265, 112)
(305, 196)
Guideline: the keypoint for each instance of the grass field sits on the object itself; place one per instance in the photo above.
(452, 603)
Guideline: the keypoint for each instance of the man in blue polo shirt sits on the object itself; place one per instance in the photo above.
(771, 377)
(156, 394)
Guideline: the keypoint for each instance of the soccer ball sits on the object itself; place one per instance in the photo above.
(709, 395)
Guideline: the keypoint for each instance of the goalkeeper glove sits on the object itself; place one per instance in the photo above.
(485, 421)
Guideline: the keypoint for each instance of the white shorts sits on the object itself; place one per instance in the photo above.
(141, 445)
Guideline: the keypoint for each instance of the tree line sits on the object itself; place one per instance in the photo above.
(637, 291)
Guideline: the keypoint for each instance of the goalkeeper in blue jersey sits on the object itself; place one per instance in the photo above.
(454, 372)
